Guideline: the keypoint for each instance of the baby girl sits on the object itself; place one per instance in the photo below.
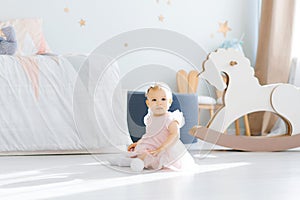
(160, 147)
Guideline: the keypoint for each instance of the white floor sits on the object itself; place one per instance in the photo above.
(219, 175)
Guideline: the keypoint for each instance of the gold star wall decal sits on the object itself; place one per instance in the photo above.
(161, 18)
(82, 22)
(66, 10)
(224, 28)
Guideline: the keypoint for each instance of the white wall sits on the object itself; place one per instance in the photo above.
(197, 19)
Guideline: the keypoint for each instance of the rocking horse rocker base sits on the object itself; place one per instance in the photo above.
(246, 143)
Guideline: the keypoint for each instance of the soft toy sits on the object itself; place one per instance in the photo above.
(234, 44)
(8, 43)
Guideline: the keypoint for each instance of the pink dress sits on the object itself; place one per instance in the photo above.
(174, 157)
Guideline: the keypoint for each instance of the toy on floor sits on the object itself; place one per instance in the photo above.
(8, 41)
(243, 95)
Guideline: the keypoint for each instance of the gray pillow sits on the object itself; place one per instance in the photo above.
(8, 44)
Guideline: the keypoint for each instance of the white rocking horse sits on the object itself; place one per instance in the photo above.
(243, 95)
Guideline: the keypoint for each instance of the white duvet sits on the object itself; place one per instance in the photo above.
(36, 108)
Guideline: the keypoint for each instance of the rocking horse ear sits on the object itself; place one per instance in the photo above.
(212, 75)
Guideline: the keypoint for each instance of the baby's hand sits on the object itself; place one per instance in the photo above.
(131, 147)
(156, 151)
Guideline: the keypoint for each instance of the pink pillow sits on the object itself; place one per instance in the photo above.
(30, 36)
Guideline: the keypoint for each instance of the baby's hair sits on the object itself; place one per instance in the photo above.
(158, 86)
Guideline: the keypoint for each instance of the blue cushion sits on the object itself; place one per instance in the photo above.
(137, 109)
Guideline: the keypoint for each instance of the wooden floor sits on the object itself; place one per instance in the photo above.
(220, 174)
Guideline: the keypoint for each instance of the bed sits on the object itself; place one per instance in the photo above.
(36, 104)
(37, 101)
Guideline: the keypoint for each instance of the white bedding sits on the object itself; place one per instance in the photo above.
(36, 110)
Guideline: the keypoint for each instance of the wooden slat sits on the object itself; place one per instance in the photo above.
(193, 80)
(182, 81)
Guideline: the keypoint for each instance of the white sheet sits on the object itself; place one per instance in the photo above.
(36, 107)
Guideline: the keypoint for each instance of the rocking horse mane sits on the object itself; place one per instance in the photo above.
(234, 65)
